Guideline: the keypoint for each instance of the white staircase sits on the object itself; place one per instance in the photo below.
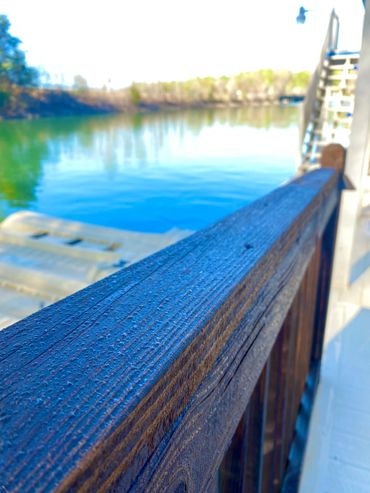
(332, 108)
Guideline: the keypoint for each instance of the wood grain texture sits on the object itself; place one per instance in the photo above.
(139, 381)
(241, 467)
(298, 327)
(266, 435)
(231, 474)
(325, 274)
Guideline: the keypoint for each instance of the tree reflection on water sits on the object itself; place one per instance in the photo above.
(119, 142)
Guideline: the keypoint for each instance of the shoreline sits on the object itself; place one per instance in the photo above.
(44, 104)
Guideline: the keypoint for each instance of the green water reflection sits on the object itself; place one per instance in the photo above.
(42, 162)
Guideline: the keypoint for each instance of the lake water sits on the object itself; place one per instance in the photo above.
(147, 172)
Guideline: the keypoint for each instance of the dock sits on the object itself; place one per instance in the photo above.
(337, 458)
(44, 259)
(236, 360)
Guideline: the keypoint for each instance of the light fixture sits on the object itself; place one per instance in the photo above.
(301, 18)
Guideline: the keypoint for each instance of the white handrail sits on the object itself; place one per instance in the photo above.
(330, 44)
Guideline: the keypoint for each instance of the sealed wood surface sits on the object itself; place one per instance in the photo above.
(257, 458)
(139, 381)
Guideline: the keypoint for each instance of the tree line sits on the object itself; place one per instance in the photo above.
(22, 94)
(248, 87)
(14, 71)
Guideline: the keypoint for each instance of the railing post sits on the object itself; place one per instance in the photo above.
(333, 156)
(241, 468)
(333, 31)
(257, 458)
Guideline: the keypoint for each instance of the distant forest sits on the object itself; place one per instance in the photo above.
(23, 95)
(248, 87)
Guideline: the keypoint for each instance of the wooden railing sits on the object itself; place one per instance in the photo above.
(311, 101)
(183, 372)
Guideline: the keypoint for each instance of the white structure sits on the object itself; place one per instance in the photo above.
(44, 259)
(337, 458)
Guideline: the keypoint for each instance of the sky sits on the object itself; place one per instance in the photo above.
(116, 42)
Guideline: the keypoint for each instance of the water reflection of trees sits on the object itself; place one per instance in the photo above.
(131, 140)
(21, 155)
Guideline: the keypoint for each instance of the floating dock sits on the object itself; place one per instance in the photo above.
(44, 259)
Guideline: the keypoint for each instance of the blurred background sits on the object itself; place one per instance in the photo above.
(151, 115)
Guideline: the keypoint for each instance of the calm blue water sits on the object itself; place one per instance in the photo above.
(149, 172)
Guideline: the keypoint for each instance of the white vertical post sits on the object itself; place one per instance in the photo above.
(356, 168)
(358, 156)
(333, 31)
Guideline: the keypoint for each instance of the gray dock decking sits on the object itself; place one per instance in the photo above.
(337, 458)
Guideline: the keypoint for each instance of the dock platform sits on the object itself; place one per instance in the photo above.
(44, 259)
(337, 457)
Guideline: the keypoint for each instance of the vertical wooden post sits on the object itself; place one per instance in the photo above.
(291, 322)
(231, 472)
(257, 457)
(326, 265)
(333, 156)
(273, 425)
(240, 468)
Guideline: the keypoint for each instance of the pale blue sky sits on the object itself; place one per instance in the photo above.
(148, 40)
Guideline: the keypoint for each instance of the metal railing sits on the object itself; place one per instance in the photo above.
(311, 102)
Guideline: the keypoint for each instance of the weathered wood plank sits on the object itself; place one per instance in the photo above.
(253, 470)
(298, 330)
(291, 322)
(241, 467)
(235, 462)
(272, 403)
(227, 404)
(139, 382)
(281, 368)
(288, 348)
(325, 272)
(275, 421)
(333, 156)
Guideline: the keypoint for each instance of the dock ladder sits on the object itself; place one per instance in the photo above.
(329, 103)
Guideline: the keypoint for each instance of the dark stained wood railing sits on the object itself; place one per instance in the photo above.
(182, 373)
